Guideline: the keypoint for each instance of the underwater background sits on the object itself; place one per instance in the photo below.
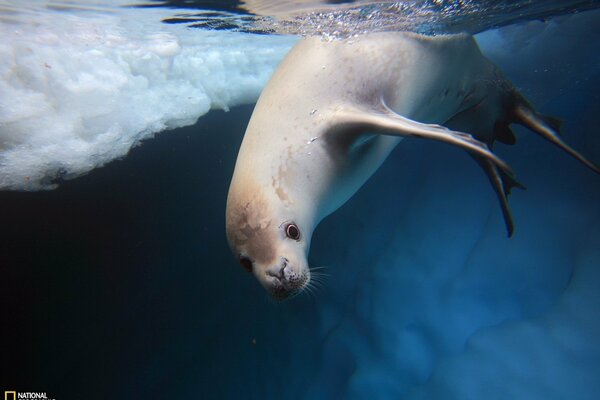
(119, 283)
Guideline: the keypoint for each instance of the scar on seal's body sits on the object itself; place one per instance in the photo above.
(253, 229)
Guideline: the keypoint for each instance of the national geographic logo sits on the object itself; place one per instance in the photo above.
(14, 395)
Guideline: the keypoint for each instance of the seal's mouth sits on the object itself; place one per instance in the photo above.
(281, 294)
(285, 283)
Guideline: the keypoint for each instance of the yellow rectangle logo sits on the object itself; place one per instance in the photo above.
(10, 395)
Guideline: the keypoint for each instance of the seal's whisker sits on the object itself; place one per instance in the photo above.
(317, 289)
(319, 280)
(320, 277)
(318, 272)
(310, 291)
(296, 293)
(316, 284)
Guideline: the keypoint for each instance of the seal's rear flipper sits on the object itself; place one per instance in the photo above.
(387, 122)
(498, 172)
(548, 128)
(502, 184)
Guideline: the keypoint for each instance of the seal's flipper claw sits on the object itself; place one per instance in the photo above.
(502, 184)
(510, 182)
(387, 122)
(548, 128)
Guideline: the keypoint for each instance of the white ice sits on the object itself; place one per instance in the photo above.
(79, 88)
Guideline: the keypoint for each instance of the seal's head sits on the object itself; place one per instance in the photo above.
(269, 243)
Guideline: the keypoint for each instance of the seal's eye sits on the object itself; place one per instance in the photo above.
(292, 231)
(246, 264)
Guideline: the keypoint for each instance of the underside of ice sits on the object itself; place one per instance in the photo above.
(80, 89)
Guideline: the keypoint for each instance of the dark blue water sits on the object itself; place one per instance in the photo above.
(120, 284)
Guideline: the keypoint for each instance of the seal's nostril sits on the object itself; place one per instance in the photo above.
(277, 272)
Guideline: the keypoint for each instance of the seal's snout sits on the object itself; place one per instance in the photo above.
(283, 280)
(277, 271)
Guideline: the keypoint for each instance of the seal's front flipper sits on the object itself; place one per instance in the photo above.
(387, 122)
(502, 184)
(548, 128)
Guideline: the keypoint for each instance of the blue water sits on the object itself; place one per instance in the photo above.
(119, 284)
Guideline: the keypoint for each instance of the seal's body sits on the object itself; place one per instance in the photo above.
(332, 113)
